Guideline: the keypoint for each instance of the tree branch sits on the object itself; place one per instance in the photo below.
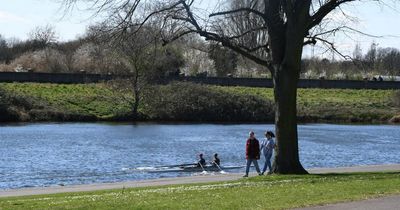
(238, 11)
(323, 11)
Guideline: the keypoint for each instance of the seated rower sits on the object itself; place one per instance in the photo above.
(216, 161)
(202, 161)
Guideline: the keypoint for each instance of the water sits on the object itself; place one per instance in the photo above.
(81, 153)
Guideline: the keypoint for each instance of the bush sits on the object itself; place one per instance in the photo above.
(193, 102)
(395, 119)
(9, 111)
(16, 108)
(396, 98)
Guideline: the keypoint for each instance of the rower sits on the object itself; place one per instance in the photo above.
(202, 161)
(216, 161)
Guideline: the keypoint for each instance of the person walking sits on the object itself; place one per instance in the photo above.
(267, 147)
(252, 153)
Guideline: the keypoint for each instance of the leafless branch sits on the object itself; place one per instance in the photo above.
(249, 10)
(324, 10)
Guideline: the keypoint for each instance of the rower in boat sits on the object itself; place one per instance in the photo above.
(216, 161)
(201, 162)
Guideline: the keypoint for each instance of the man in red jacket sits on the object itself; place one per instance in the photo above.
(252, 153)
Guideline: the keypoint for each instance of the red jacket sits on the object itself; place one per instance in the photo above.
(252, 149)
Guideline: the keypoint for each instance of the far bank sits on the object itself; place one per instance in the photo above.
(187, 102)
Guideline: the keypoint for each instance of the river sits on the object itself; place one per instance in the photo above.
(50, 154)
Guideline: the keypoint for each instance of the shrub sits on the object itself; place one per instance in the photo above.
(395, 119)
(15, 108)
(193, 102)
(8, 111)
(396, 98)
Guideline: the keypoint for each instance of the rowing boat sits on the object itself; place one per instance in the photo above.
(194, 169)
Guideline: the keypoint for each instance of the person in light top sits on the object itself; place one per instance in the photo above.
(267, 148)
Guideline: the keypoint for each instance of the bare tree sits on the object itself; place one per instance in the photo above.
(225, 60)
(44, 36)
(138, 55)
(272, 33)
(135, 54)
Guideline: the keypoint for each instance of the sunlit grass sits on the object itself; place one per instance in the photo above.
(326, 105)
(267, 192)
(336, 104)
(87, 99)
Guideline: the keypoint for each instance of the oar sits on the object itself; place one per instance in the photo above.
(222, 171)
(180, 165)
(204, 171)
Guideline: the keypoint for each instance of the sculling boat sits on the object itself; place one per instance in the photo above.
(193, 169)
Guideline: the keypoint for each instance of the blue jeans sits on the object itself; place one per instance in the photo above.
(248, 163)
(267, 162)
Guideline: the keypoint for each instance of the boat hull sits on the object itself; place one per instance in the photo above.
(195, 169)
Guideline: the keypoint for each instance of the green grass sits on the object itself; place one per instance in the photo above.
(320, 105)
(271, 192)
(86, 99)
(336, 104)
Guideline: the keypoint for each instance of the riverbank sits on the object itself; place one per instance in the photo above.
(222, 191)
(208, 178)
(99, 102)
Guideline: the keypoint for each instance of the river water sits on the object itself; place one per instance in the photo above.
(49, 154)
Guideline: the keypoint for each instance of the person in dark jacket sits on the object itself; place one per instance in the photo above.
(252, 153)
(201, 162)
(216, 162)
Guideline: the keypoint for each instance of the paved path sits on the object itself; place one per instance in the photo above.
(172, 181)
(384, 203)
(119, 185)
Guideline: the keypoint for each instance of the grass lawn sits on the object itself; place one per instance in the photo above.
(267, 192)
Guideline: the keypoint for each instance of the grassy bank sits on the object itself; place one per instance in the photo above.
(336, 105)
(90, 101)
(267, 192)
(60, 102)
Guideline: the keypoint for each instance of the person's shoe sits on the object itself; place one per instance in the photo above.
(269, 173)
(262, 173)
(245, 175)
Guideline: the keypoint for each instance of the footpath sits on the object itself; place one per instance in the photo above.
(391, 202)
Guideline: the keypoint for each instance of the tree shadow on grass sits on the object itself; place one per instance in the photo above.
(356, 174)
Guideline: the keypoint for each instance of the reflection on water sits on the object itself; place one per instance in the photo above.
(77, 153)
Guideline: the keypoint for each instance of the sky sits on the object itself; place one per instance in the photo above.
(19, 17)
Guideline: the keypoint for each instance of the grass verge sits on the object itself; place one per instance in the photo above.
(267, 192)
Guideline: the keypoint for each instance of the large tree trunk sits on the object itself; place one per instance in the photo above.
(287, 151)
(286, 73)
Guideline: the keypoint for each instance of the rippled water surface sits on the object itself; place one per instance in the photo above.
(79, 153)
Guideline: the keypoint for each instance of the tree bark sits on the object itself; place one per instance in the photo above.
(286, 74)
(136, 93)
(287, 151)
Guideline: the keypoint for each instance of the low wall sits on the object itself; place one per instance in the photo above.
(224, 81)
(303, 83)
(52, 77)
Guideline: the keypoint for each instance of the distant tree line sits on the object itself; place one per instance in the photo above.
(42, 52)
(191, 56)
(374, 63)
